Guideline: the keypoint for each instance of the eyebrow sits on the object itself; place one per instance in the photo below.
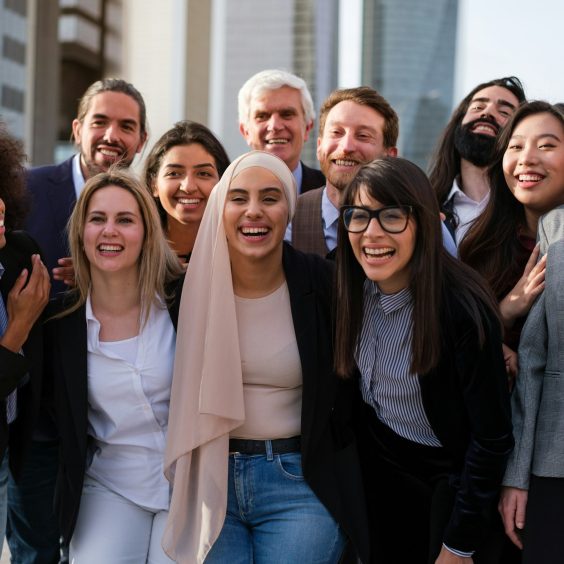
(101, 212)
(261, 190)
(129, 121)
(539, 136)
(199, 165)
(499, 102)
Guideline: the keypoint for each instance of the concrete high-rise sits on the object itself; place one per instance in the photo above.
(408, 55)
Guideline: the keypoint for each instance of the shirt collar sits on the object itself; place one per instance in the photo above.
(329, 212)
(454, 190)
(298, 175)
(388, 302)
(1, 270)
(77, 176)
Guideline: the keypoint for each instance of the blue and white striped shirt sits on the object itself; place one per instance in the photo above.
(384, 359)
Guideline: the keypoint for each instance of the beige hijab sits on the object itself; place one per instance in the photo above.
(207, 389)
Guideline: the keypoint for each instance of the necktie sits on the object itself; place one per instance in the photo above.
(11, 400)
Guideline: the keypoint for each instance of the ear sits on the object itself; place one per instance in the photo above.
(244, 132)
(318, 145)
(308, 128)
(76, 130)
(141, 142)
(392, 151)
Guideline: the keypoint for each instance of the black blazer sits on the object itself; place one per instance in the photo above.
(311, 179)
(466, 400)
(15, 256)
(53, 198)
(329, 456)
(66, 368)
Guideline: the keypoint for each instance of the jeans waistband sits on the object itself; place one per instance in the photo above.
(279, 446)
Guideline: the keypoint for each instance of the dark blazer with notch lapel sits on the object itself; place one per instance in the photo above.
(66, 369)
(329, 457)
(311, 179)
(53, 198)
(15, 256)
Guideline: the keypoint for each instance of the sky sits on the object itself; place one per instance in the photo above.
(496, 38)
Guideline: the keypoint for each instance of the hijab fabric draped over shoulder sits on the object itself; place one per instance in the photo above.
(207, 390)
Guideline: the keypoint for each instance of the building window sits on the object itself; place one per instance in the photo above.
(13, 50)
(12, 98)
(18, 6)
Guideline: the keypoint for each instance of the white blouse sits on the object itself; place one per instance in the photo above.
(128, 399)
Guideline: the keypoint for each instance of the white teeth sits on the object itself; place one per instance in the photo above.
(2, 222)
(345, 162)
(485, 129)
(277, 141)
(378, 252)
(188, 200)
(254, 230)
(109, 153)
(530, 177)
(111, 248)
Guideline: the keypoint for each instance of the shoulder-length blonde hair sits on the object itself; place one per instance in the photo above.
(158, 266)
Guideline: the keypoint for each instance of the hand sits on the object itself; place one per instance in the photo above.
(511, 363)
(512, 506)
(448, 557)
(25, 304)
(65, 271)
(520, 299)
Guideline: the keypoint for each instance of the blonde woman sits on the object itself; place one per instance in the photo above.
(110, 350)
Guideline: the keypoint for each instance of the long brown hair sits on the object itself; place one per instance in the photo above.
(433, 272)
(491, 245)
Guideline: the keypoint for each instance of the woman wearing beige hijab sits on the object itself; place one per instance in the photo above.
(254, 399)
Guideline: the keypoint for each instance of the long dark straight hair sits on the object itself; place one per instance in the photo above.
(491, 245)
(433, 272)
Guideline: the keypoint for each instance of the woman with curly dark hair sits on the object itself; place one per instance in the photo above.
(24, 291)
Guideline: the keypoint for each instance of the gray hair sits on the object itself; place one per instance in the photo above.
(272, 79)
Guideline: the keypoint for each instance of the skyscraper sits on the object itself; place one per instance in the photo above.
(408, 55)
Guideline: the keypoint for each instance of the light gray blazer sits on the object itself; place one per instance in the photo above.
(538, 399)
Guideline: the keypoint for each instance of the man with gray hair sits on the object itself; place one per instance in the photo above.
(276, 115)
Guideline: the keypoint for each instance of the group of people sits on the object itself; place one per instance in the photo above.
(258, 361)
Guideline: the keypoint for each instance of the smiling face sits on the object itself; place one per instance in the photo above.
(384, 257)
(2, 227)
(109, 134)
(113, 232)
(533, 163)
(353, 135)
(184, 182)
(255, 215)
(487, 113)
(277, 124)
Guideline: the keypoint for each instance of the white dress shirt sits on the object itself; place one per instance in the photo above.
(128, 399)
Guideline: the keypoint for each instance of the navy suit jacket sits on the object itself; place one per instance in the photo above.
(53, 198)
(16, 256)
(311, 179)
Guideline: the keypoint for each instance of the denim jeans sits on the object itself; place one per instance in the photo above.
(32, 532)
(4, 472)
(273, 516)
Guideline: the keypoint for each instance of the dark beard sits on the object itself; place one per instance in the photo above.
(475, 148)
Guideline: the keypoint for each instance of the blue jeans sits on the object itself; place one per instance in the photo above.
(32, 532)
(273, 516)
(4, 472)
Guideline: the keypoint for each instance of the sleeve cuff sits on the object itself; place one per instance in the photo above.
(459, 552)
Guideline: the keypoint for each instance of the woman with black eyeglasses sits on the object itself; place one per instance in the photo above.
(423, 332)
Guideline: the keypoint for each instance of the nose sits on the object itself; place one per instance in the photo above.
(374, 229)
(187, 184)
(109, 228)
(528, 155)
(254, 208)
(347, 143)
(274, 122)
(110, 134)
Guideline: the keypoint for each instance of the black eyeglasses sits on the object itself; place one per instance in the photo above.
(392, 219)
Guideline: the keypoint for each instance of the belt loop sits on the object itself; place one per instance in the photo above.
(268, 445)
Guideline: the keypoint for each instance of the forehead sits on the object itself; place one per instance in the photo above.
(538, 125)
(497, 94)
(349, 114)
(191, 153)
(283, 97)
(113, 198)
(115, 104)
(255, 177)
